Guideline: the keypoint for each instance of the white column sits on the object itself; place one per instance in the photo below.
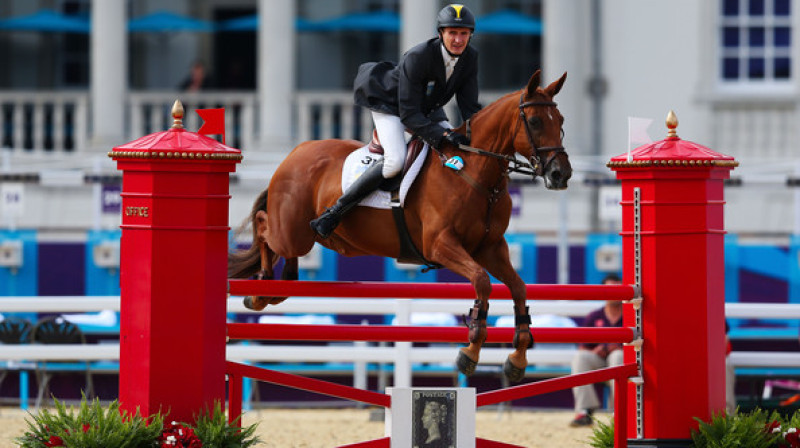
(109, 73)
(418, 18)
(276, 73)
(565, 47)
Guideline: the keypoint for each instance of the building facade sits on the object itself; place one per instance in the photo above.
(726, 67)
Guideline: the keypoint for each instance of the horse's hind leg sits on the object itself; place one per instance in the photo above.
(268, 261)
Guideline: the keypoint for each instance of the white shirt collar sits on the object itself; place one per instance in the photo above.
(446, 56)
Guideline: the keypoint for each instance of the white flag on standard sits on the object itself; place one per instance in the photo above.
(637, 132)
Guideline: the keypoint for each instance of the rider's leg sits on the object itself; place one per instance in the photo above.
(387, 127)
(391, 133)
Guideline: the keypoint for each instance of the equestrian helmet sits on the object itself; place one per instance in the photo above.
(455, 16)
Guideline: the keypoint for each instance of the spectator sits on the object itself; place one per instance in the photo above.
(197, 80)
(596, 356)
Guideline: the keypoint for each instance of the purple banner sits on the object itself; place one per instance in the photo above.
(111, 199)
(516, 200)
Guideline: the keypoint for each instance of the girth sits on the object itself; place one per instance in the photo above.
(408, 250)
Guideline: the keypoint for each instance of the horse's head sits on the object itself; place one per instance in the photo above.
(541, 142)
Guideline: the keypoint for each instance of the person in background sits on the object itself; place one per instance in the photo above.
(197, 80)
(596, 356)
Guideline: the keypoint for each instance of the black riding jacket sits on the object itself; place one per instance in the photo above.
(415, 89)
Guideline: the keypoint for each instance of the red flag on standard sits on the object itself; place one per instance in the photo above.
(213, 122)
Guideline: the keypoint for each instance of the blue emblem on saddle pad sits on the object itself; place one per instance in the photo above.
(455, 163)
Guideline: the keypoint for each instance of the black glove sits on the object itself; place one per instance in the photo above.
(454, 138)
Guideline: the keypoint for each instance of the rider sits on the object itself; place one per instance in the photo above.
(411, 95)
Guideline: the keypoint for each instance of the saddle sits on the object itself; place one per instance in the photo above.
(408, 251)
(413, 150)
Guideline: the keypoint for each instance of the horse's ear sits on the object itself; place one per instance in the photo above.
(556, 86)
(534, 82)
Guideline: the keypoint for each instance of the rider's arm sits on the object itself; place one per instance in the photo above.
(411, 96)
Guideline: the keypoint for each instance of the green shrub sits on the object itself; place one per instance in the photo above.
(755, 429)
(91, 426)
(215, 432)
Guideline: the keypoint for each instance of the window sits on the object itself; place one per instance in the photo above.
(755, 39)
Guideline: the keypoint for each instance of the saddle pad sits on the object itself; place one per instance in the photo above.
(359, 160)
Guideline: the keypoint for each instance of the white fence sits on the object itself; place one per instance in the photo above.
(57, 122)
(402, 354)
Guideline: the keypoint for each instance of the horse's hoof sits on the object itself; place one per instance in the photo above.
(248, 302)
(512, 372)
(465, 364)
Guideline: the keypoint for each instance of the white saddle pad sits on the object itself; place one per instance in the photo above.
(359, 160)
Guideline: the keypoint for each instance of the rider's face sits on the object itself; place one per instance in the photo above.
(456, 39)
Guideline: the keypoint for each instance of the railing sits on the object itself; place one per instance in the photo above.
(57, 122)
(402, 308)
(41, 121)
(150, 112)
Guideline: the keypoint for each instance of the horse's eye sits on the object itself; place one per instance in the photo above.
(535, 122)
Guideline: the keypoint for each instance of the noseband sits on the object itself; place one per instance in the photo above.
(536, 156)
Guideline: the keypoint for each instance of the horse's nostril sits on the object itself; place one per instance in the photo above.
(555, 175)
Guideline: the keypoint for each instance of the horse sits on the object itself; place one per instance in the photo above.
(456, 219)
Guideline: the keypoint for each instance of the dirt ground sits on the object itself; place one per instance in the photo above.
(326, 428)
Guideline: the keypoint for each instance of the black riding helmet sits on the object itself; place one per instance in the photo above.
(456, 16)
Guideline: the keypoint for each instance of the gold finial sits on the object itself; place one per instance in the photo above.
(672, 123)
(177, 115)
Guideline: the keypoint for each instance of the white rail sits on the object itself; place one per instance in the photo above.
(60, 304)
(402, 308)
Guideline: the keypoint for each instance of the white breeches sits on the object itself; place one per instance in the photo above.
(391, 133)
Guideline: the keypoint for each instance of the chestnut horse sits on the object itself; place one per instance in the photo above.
(456, 219)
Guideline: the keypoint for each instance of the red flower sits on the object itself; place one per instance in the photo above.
(86, 427)
(793, 438)
(54, 441)
(771, 427)
(176, 435)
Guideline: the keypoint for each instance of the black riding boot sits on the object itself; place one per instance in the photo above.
(364, 185)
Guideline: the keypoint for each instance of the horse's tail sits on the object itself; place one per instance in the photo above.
(245, 263)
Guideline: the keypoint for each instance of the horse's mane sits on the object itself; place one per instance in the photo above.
(503, 114)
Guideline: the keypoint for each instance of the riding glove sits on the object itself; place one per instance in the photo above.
(454, 138)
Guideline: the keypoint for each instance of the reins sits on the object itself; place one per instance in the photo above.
(515, 165)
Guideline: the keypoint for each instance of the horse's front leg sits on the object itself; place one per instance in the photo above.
(448, 252)
(495, 259)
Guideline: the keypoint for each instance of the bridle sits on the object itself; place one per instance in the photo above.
(536, 167)
(536, 157)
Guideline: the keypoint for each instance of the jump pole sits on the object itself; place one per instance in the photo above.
(173, 271)
(673, 230)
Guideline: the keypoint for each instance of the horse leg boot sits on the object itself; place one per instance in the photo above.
(514, 367)
(364, 185)
(467, 358)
